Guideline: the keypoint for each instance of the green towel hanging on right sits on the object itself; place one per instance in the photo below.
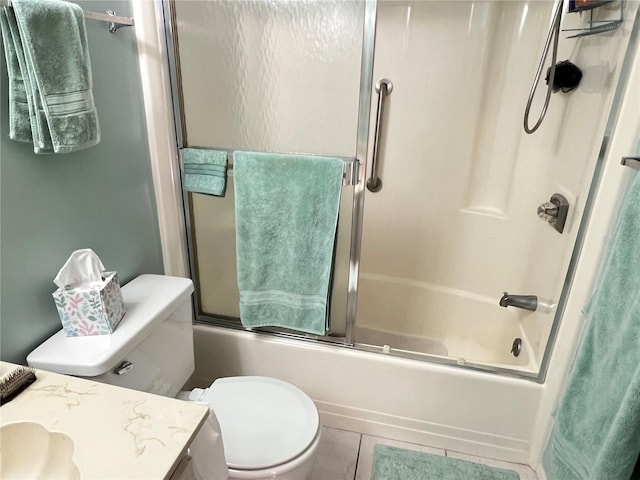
(596, 434)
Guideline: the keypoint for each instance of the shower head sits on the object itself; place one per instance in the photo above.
(566, 78)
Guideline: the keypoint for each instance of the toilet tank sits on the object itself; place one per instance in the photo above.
(151, 350)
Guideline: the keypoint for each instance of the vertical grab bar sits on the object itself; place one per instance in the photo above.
(384, 87)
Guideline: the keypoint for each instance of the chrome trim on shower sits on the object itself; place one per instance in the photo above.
(349, 173)
(350, 176)
(355, 171)
(614, 113)
(362, 142)
(384, 88)
(167, 12)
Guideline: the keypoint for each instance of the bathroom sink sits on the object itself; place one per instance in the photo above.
(30, 451)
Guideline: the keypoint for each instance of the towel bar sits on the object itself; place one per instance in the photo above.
(115, 21)
(350, 176)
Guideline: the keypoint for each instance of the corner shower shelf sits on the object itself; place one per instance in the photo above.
(596, 26)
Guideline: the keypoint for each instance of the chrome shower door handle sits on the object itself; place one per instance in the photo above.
(384, 88)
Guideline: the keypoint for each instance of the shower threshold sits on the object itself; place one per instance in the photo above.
(387, 340)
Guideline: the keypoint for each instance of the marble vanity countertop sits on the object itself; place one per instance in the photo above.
(117, 433)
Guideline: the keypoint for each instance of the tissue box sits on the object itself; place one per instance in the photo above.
(91, 310)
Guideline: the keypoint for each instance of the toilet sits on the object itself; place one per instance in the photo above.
(270, 428)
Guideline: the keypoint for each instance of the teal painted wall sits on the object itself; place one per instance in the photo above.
(100, 198)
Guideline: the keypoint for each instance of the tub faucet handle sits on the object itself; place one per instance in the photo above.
(548, 211)
(555, 211)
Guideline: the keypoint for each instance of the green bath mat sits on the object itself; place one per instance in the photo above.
(391, 463)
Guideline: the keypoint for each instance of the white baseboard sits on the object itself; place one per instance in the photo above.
(423, 433)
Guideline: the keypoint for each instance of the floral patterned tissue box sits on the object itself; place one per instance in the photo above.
(92, 310)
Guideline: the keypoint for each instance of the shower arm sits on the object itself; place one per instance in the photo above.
(554, 32)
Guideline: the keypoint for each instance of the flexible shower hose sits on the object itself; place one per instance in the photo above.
(554, 32)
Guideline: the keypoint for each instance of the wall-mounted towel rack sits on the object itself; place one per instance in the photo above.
(115, 21)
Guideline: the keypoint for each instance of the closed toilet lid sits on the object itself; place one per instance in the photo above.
(264, 421)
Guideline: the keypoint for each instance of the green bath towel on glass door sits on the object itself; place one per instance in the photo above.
(286, 217)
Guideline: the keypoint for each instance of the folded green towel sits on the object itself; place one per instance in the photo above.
(19, 116)
(286, 218)
(50, 47)
(596, 434)
(204, 171)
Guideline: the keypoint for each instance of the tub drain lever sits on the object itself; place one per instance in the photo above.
(516, 347)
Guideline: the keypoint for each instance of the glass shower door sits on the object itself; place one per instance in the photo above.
(269, 76)
(455, 224)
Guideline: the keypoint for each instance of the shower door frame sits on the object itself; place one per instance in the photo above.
(167, 13)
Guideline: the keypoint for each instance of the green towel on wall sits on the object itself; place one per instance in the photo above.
(286, 218)
(19, 115)
(204, 171)
(46, 40)
(596, 434)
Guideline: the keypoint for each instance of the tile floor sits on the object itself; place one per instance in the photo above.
(347, 455)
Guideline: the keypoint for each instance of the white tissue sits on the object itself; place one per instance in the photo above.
(83, 268)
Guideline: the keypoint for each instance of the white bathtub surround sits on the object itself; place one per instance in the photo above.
(117, 433)
(468, 328)
(455, 223)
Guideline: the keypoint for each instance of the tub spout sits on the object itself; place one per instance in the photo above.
(528, 302)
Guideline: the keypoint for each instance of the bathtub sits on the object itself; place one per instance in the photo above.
(453, 326)
(463, 351)
(434, 404)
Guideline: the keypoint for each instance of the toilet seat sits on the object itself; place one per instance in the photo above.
(265, 422)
